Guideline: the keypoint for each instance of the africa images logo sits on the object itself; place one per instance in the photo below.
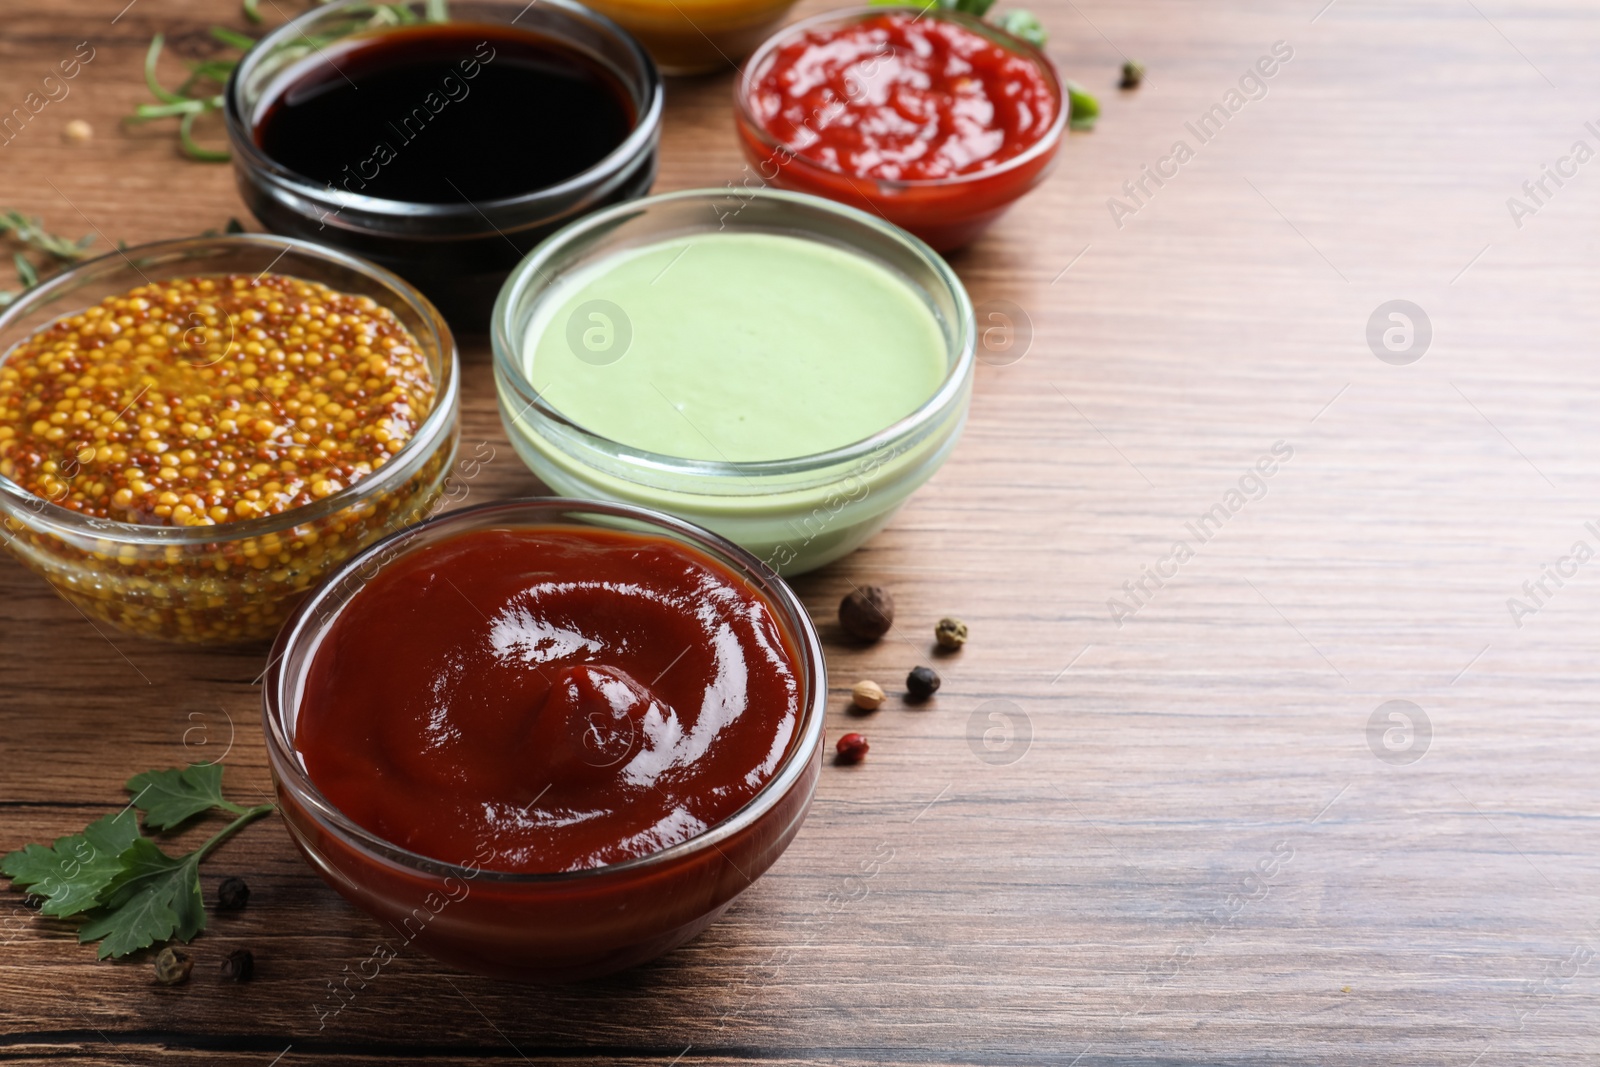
(1252, 485)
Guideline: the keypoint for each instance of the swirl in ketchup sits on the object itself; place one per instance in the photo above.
(567, 696)
(933, 120)
(903, 98)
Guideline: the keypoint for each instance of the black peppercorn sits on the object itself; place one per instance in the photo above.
(921, 683)
(173, 966)
(239, 965)
(1132, 74)
(867, 612)
(232, 895)
(32, 902)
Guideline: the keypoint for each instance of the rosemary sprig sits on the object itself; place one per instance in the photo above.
(59, 252)
(202, 91)
(31, 234)
(183, 104)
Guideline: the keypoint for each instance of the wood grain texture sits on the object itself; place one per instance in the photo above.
(1197, 857)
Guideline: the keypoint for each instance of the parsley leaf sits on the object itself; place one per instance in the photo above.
(1084, 110)
(169, 797)
(153, 898)
(71, 874)
(1024, 24)
(134, 894)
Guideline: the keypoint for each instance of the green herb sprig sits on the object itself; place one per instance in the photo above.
(59, 252)
(1017, 22)
(202, 91)
(1020, 22)
(29, 232)
(183, 104)
(1083, 110)
(128, 892)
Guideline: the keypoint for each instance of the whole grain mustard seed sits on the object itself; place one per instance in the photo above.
(206, 400)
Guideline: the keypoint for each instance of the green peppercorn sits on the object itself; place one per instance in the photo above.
(173, 966)
(950, 633)
(921, 684)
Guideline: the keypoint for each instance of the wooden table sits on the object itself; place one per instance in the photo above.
(1179, 843)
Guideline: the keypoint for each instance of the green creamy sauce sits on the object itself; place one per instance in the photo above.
(734, 346)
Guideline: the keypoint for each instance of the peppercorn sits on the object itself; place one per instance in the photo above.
(867, 612)
(1132, 74)
(950, 633)
(32, 902)
(173, 966)
(852, 748)
(232, 895)
(867, 695)
(921, 683)
(239, 965)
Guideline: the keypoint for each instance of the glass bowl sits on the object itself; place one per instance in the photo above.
(235, 581)
(697, 36)
(794, 514)
(456, 253)
(543, 927)
(948, 213)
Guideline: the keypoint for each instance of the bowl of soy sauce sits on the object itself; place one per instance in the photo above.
(442, 139)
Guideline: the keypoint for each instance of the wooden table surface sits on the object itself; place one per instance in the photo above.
(1161, 833)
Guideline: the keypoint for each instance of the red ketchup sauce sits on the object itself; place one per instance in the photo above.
(567, 697)
(904, 99)
(896, 98)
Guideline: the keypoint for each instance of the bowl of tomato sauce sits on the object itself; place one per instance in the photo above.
(933, 119)
(546, 739)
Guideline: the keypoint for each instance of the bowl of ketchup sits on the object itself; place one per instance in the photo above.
(933, 119)
(546, 739)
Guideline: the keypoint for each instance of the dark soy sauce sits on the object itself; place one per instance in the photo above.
(445, 113)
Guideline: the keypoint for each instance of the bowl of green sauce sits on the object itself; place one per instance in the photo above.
(778, 368)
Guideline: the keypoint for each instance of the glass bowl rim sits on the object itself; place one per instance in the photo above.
(438, 420)
(288, 774)
(526, 275)
(646, 128)
(1046, 143)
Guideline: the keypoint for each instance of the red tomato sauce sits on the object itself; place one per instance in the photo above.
(904, 98)
(568, 697)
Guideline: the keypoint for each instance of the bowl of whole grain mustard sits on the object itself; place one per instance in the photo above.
(194, 432)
